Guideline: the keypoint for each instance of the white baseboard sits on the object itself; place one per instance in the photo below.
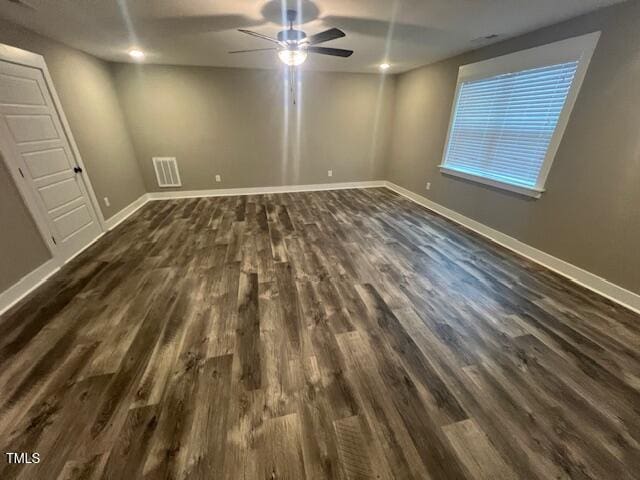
(577, 275)
(27, 284)
(225, 192)
(603, 287)
(126, 212)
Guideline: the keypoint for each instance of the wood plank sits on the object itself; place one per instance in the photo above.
(129, 450)
(355, 456)
(280, 451)
(248, 332)
(206, 443)
(83, 470)
(476, 452)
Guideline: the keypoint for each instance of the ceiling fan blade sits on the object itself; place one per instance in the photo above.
(325, 36)
(259, 35)
(254, 50)
(334, 52)
(22, 3)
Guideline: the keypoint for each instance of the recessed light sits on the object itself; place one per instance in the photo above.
(137, 54)
(384, 67)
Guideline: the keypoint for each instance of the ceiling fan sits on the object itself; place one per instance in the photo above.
(293, 45)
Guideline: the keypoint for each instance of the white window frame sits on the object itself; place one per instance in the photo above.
(577, 48)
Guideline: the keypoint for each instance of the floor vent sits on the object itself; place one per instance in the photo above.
(167, 171)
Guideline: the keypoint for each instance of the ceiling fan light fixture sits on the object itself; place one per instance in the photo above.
(136, 54)
(384, 67)
(292, 57)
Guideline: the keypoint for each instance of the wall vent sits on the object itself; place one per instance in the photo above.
(167, 171)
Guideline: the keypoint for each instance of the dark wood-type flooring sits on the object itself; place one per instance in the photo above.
(347, 334)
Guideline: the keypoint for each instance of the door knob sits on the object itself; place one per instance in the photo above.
(77, 169)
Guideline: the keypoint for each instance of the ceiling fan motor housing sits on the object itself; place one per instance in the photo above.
(291, 36)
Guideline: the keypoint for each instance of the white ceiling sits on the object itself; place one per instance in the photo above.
(407, 33)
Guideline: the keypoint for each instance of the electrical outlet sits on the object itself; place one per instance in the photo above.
(428, 185)
(107, 202)
(329, 173)
(218, 179)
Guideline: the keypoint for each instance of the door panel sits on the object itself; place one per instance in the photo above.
(72, 222)
(46, 162)
(31, 128)
(23, 91)
(32, 134)
(60, 193)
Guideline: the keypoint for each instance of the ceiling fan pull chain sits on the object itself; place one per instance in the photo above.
(292, 73)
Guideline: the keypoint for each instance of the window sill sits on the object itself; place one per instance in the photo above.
(529, 192)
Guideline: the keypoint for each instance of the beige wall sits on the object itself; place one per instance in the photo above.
(21, 246)
(233, 122)
(590, 214)
(85, 87)
(86, 91)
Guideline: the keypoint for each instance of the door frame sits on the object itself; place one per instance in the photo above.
(29, 59)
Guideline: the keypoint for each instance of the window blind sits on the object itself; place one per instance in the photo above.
(503, 125)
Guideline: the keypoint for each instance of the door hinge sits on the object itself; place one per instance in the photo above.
(54, 240)
(20, 170)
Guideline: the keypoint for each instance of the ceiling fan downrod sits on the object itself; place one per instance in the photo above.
(292, 15)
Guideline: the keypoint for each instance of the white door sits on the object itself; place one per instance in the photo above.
(33, 140)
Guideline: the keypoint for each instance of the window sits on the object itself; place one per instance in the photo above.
(510, 113)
